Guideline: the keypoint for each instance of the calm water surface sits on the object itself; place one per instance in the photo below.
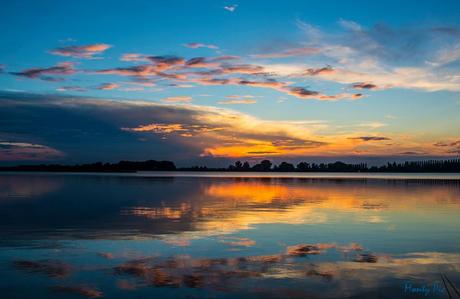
(217, 236)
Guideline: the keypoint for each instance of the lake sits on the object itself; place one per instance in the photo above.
(224, 235)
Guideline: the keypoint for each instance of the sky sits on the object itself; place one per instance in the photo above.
(212, 82)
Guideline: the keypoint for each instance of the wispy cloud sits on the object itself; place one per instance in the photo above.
(364, 85)
(178, 99)
(63, 68)
(108, 86)
(133, 57)
(72, 88)
(231, 8)
(412, 58)
(14, 151)
(86, 51)
(237, 101)
(370, 138)
(82, 290)
(289, 53)
(200, 45)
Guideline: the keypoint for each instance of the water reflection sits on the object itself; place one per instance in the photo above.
(94, 236)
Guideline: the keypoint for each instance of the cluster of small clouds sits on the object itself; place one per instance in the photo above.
(182, 72)
(359, 57)
(451, 147)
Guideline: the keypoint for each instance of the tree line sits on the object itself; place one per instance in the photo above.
(122, 166)
(408, 166)
(452, 165)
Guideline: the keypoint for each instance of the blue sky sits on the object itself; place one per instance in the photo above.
(332, 79)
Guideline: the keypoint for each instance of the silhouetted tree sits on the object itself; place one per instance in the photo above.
(265, 165)
(238, 165)
(284, 166)
(303, 166)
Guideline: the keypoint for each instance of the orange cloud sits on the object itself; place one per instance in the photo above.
(133, 57)
(237, 101)
(108, 86)
(178, 99)
(87, 51)
(158, 128)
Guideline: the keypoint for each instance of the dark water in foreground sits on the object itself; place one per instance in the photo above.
(135, 236)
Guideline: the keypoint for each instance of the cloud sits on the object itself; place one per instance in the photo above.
(231, 8)
(363, 85)
(305, 51)
(157, 68)
(238, 242)
(158, 128)
(138, 70)
(412, 153)
(166, 62)
(63, 68)
(308, 249)
(450, 147)
(237, 101)
(350, 25)
(133, 57)
(108, 86)
(226, 57)
(87, 51)
(304, 93)
(301, 92)
(81, 290)
(387, 57)
(178, 99)
(55, 269)
(372, 124)
(15, 151)
(317, 71)
(370, 138)
(264, 84)
(200, 45)
(447, 144)
(413, 58)
(215, 72)
(242, 69)
(200, 62)
(71, 88)
(235, 96)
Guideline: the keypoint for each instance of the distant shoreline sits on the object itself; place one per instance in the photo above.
(265, 166)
